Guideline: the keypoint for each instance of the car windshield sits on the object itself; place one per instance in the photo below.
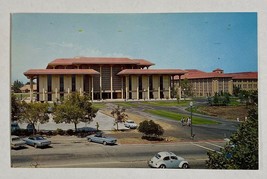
(157, 156)
(39, 138)
(130, 121)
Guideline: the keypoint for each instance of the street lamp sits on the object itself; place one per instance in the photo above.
(191, 121)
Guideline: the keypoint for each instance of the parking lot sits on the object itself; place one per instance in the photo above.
(106, 123)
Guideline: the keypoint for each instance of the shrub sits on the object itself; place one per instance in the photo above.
(60, 131)
(69, 132)
(150, 128)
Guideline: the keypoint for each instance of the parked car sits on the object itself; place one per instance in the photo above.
(31, 128)
(130, 124)
(14, 126)
(17, 142)
(100, 138)
(86, 129)
(167, 160)
(37, 141)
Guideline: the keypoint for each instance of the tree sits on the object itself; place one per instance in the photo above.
(248, 97)
(75, 109)
(16, 86)
(236, 90)
(241, 152)
(34, 113)
(150, 128)
(219, 99)
(15, 108)
(186, 86)
(119, 114)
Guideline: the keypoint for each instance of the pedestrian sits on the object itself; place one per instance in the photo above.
(189, 121)
(182, 121)
(97, 126)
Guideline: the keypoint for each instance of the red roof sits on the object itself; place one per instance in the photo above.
(143, 62)
(98, 60)
(197, 74)
(152, 72)
(244, 75)
(33, 72)
(205, 75)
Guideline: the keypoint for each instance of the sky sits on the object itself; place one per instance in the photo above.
(203, 41)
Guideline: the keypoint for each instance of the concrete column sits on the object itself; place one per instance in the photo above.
(122, 87)
(31, 89)
(43, 94)
(92, 90)
(148, 97)
(111, 83)
(100, 83)
(56, 93)
(173, 89)
(126, 87)
(170, 88)
(159, 91)
(137, 88)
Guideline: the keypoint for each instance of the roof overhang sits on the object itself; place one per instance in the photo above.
(36, 72)
(152, 72)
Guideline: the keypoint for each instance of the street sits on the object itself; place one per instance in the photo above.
(80, 153)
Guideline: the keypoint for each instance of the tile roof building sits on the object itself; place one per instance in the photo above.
(102, 78)
(209, 83)
(125, 78)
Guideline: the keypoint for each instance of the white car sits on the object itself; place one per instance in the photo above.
(130, 124)
(17, 142)
(168, 160)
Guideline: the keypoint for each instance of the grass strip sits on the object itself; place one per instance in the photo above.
(166, 103)
(177, 116)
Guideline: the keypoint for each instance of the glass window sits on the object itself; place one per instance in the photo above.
(166, 158)
(174, 158)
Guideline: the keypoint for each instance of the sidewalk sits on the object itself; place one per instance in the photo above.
(106, 123)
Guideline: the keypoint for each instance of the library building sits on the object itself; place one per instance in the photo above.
(128, 79)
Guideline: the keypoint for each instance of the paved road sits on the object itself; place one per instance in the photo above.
(80, 153)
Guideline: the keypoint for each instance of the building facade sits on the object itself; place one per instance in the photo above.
(102, 78)
(209, 83)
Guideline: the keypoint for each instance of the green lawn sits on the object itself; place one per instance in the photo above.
(177, 116)
(22, 95)
(166, 103)
(126, 104)
(99, 105)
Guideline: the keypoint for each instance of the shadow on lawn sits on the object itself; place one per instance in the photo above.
(152, 138)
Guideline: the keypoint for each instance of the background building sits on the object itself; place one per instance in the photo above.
(209, 83)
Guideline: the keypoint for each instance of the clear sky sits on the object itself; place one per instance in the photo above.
(203, 41)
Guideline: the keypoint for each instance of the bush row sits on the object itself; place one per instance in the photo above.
(69, 132)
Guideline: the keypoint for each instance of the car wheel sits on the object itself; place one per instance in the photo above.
(90, 140)
(35, 145)
(105, 143)
(185, 166)
(162, 166)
